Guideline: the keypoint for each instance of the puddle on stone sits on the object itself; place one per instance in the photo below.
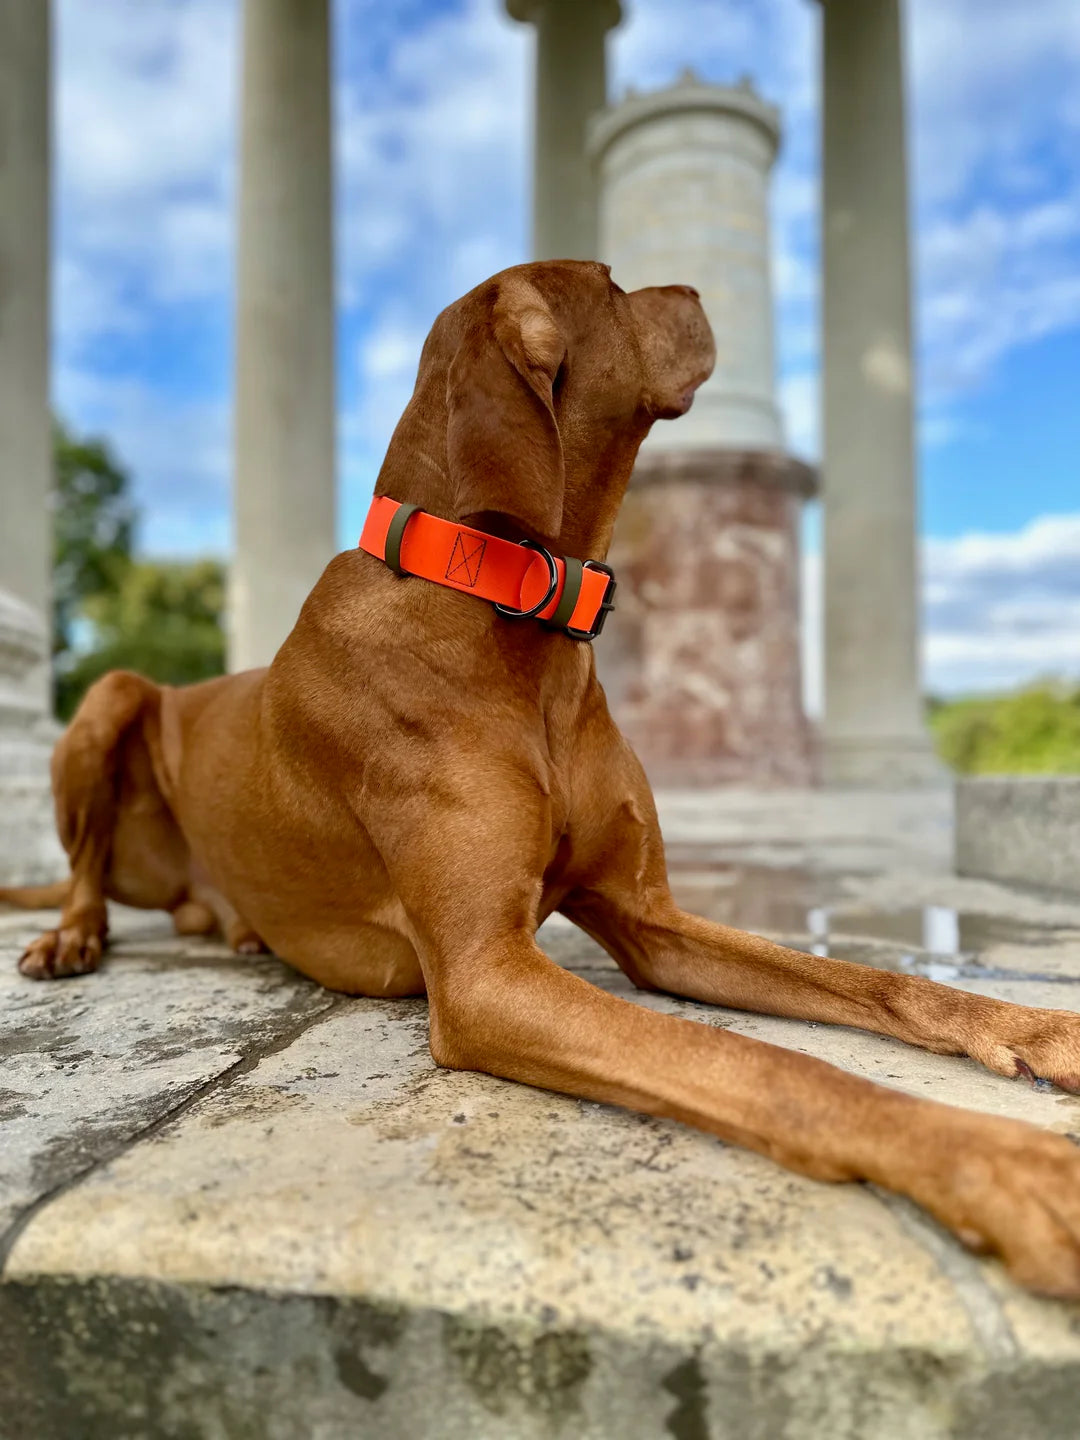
(810, 912)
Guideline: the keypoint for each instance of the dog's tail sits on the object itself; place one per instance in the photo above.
(36, 897)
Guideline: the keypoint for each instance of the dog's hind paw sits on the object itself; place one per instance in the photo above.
(247, 943)
(73, 950)
(242, 939)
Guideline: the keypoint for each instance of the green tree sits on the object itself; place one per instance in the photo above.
(1034, 731)
(164, 620)
(111, 611)
(93, 526)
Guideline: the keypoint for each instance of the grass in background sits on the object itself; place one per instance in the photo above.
(1034, 731)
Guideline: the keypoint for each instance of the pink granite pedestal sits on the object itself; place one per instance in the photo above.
(701, 657)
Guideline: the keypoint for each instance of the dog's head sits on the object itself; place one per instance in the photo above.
(535, 391)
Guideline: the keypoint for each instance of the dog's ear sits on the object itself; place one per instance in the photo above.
(503, 446)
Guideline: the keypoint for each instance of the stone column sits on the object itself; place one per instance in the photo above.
(284, 426)
(701, 659)
(28, 846)
(684, 197)
(873, 732)
(25, 431)
(571, 85)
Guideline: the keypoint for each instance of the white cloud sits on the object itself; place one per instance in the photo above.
(1049, 547)
(177, 452)
(993, 82)
(995, 279)
(997, 182)
(995, 129)
(145, 122)
(1000, 610)
(432, 141)
(432, 195)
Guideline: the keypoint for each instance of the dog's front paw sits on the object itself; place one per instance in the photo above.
(1007, 1189)
(73, 950)
(1018, 1040)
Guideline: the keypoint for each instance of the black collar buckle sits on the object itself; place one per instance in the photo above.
(606, 605)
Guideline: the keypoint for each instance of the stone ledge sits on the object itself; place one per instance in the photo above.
(244, 1207)
(105, 1357)
(1023, 829)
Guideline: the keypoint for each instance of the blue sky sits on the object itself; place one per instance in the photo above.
(432, 113)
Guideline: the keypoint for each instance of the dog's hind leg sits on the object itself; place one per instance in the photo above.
(86, 783)
(239, 936)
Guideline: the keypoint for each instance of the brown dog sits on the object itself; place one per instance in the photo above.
(416, 782)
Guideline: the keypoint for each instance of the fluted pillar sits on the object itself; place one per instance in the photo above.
(571, 85)
(873, 731)
(284, 429)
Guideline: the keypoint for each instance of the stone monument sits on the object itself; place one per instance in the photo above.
(701, 660)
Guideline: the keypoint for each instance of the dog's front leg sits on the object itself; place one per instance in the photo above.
(663, 947)
(504, 1008)
(621, 897)
(468, 863)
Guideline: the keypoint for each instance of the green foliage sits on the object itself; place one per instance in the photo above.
(93, 522)
(111, 612)
(1034, 731)
(163, 620)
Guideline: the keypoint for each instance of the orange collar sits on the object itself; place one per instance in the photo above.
(524, 581)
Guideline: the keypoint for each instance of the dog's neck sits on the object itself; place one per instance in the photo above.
(416, 471)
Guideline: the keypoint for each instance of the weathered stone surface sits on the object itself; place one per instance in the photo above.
(113, 1358)
(701, 657)
(1022, 828)
(556, 1266)
(333, 1238)
(88, 1064)
(29, 849)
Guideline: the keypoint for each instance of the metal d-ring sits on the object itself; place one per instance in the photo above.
(553, 576)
